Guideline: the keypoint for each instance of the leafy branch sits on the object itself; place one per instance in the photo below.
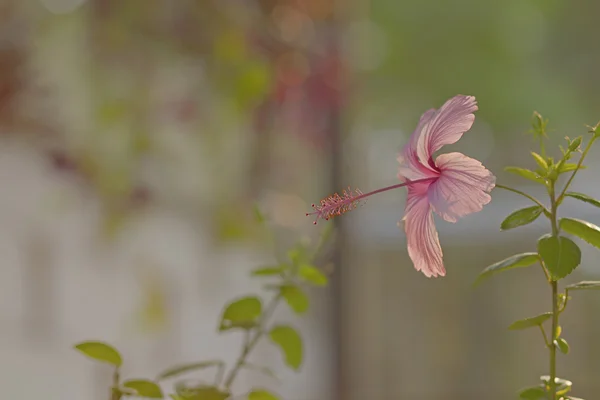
(244, 314)
(557, 254)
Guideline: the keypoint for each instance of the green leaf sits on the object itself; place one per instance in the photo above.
(525, 173)
(533, 393)
(312, 275)
(538, 123)
(100, 351)
(521, 217)
(582, 229)
(574, 145)
(584, 285)
(295, 297)
(530, 322)
(562, 345)
(584, 197)
(516, 261)
(261, 394)
(241, 313)
(290, 343)
(144, 388)
(568, 167)
(269, 271)
(540, 161)
(184, 368)
(560, 254)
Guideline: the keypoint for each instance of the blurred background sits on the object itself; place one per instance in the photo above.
(137, 134)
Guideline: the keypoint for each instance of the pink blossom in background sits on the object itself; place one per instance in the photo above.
(455, 185)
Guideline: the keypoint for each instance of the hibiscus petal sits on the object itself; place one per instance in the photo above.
(422, 238)
(446, 126)
(462, 188)
(411, 169)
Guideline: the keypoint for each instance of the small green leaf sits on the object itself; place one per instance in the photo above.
(584, 285)
(516, 261)
(560, 254)
(538, 123)
(574, 145)
(295, 297)
(584, 198)
(184, 368)
(540, 161)
(562, 345)
(568, 167)
(533, 393)
(521, 217)
(290, 343)
(242, 313)
(269, 271)
(312, 275)
(100, 351)
(530, 322)
(525, 173)
(261, 394)
(573, 398)
(144, 388)
(582, 229)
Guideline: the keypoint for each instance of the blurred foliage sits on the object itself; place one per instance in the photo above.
(136, 83)
(249, 315)
(514, 55)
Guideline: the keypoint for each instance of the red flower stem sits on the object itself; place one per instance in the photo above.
(385, 189)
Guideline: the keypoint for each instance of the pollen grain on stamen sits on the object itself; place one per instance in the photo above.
(337, 204)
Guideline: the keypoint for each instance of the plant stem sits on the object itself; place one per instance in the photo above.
(554, 284)
(536, 201)
(250, 343)
(115, 393)
(544, 335)
(583, 155)
(545, 270)
(553, 339)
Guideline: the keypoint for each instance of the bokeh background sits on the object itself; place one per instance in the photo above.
(137, 134)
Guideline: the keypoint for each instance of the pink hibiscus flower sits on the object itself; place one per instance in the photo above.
(453, 185)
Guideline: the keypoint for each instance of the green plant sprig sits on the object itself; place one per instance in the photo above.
(556, 254)
(288, 281)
